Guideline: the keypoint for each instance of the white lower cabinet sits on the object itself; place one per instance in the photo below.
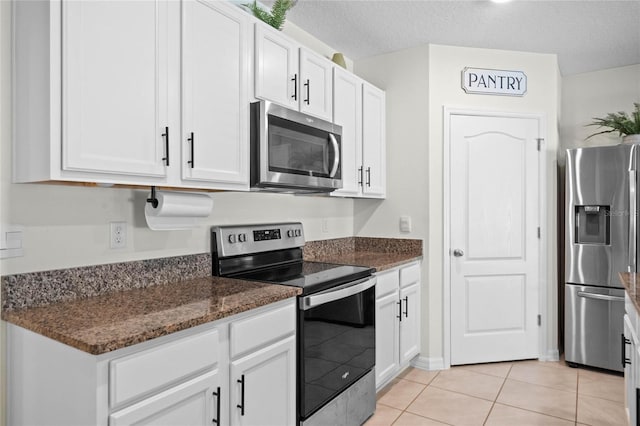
(264, 388)
(631, 361)
(193, 377)
(397, 321)
(189, 403)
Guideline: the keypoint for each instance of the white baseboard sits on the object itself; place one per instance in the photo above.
(551, 355)
(430, 364)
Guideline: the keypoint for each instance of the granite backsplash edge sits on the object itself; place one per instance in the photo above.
(42, 288)
(348, 245)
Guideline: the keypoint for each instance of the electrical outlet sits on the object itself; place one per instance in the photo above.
(325, 226)
(118, 235)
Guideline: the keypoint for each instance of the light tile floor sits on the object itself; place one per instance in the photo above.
(519, 393)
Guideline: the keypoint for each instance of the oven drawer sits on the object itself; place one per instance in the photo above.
(261, 329)
(151, 370)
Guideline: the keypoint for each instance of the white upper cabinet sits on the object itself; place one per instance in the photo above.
(373, 142)
(347, 112)
(290, 75)
(214, 82)
(276, 67)
(115, 87)
(111, 91)
(359, 108)
(316, 83)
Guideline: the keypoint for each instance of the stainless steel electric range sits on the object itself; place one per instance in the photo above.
(335, 324)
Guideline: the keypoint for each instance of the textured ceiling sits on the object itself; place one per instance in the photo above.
(586, 35)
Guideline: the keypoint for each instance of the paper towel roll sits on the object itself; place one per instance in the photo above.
(177, 210)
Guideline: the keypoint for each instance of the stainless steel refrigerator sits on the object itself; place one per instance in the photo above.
(600, 241)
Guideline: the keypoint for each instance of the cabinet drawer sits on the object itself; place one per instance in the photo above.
(387, 283)
(151, 370)
(261, 329)
(409, 275)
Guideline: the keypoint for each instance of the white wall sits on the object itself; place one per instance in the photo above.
(595, 94)
(403, 75)
(419, 83)
(5, 137)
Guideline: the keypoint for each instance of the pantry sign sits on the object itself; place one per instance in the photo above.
(494, 82)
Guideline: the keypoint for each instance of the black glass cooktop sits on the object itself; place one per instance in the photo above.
(310, 276)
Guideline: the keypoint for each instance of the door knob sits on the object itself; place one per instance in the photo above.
(458, 253)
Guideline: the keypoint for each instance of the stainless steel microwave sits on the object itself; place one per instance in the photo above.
(292, 151)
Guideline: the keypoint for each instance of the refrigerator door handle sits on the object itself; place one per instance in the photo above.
(633, 221)
(600, 296)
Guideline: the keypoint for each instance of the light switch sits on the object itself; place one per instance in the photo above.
(405, 223)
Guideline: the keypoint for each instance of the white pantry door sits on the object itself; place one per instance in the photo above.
(494, 238)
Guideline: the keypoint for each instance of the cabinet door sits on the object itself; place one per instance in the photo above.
(316, 87)
(630, 374)
(276, 67)
(387, 337)
(192, 403)
(215, 77)
(263, 387)
(115, 86)
(373, 141)
(347, 112)
(410, 324)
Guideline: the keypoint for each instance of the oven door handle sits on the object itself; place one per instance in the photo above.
(333, 294)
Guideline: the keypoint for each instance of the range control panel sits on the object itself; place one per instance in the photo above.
(245, 239)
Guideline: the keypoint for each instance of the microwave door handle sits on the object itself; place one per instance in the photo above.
(336, 156)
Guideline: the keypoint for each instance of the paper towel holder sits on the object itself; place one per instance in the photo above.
(153, 200)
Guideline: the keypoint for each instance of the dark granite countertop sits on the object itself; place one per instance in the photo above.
(378, 253)
(630, 281)
(119, 319)
(101, 308)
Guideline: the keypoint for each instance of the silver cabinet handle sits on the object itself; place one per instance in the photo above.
(600, 297)
(458, 253)
(633, 200)
(336, 154)
(336, 293)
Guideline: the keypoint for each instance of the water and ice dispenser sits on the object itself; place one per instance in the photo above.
(593, 225)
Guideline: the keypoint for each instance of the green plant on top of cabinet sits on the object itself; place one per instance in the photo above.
(291, 75)
(99, 96)
(359, 108)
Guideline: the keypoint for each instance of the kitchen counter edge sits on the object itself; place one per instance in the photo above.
(113, 321)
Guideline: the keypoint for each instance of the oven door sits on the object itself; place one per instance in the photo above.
(296, 150)
(336, 342)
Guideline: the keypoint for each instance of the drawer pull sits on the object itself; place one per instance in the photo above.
(192, 140)
(217, 395)
(295, 87)
(624, 342)
(241, 405)
(165, 135)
